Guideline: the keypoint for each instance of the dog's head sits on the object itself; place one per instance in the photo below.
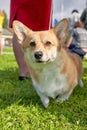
(41, 46)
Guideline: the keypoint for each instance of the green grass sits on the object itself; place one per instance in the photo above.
(8, 49)
(21, 108)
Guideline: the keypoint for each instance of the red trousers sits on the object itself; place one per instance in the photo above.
(36, 14)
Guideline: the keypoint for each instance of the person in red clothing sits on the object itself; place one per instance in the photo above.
(35, 14)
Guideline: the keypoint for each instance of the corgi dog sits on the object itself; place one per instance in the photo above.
(54, 71)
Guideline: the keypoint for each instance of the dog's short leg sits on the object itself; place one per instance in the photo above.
(45, 100)
(80, 83)
(63, 97)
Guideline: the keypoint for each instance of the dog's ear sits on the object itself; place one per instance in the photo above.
(61, 30)
(20, 30)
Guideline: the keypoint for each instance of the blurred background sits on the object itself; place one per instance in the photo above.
(61, 9)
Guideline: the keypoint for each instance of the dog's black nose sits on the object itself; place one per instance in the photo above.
(38, 55)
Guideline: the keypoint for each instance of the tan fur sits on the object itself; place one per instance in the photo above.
(74, 65)
(55, 72)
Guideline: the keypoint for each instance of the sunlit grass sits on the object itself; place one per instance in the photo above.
(7, 49)
(21, 108)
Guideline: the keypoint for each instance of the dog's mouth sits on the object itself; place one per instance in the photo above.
(40, 61)
(40, 58)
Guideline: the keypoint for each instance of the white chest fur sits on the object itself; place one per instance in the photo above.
(52, 82)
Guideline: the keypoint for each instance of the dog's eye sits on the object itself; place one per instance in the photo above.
(48, 43)
(32, 44)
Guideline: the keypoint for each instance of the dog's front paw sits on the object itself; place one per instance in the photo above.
(62, 98)
(45, 101)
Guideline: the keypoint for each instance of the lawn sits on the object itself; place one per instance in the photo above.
(21, 108)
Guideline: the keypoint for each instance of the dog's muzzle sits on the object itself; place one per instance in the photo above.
(38, 55)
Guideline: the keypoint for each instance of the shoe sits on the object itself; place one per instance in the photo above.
(21, 78)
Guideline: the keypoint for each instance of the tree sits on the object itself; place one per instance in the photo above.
(5, 23)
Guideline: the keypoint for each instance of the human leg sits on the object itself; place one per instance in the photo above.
(23, 68)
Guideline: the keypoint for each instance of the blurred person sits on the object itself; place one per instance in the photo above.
(55, 22)
(77, 42)
(34, 14)
(1, 26)
(75, 16)
(84, 17)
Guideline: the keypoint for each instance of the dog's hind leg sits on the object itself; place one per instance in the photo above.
(80, 82)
